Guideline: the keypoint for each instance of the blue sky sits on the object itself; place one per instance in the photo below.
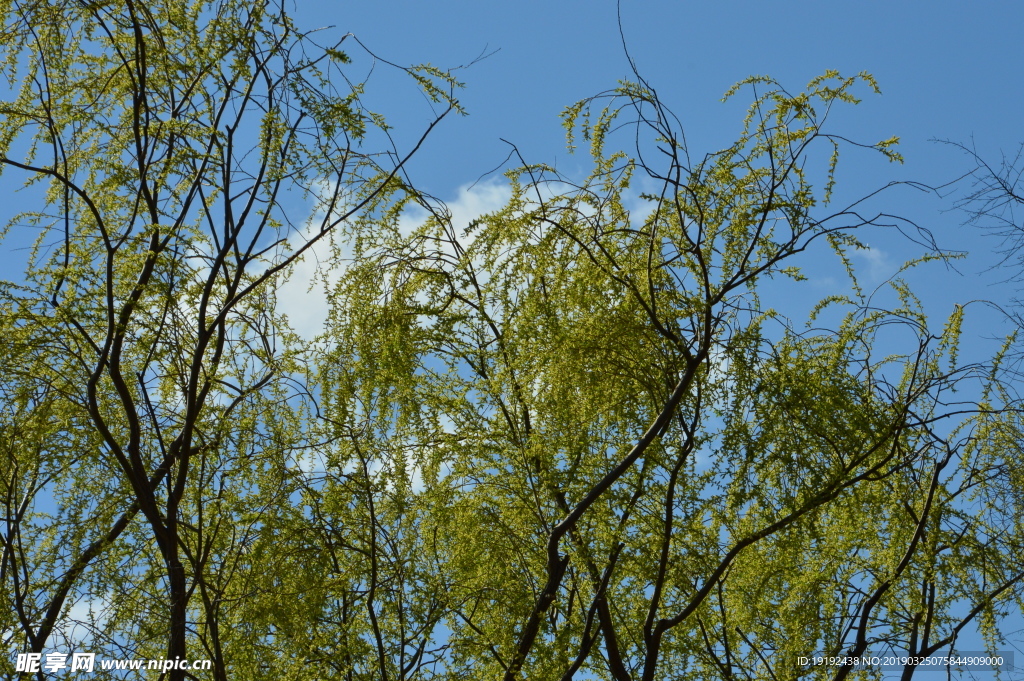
(947, 70)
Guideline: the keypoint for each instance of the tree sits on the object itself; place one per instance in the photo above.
(150, 382)
(567, 437)
(991, 201)
(630, 464)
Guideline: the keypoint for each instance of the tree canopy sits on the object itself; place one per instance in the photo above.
(570, 439)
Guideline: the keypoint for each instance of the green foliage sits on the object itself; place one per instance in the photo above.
(624, 470)
(567, 438)
(155, 435)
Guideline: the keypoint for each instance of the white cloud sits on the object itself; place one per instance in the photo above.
(303, 296)
(470, 202)
(80, 622)
(874, 266)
